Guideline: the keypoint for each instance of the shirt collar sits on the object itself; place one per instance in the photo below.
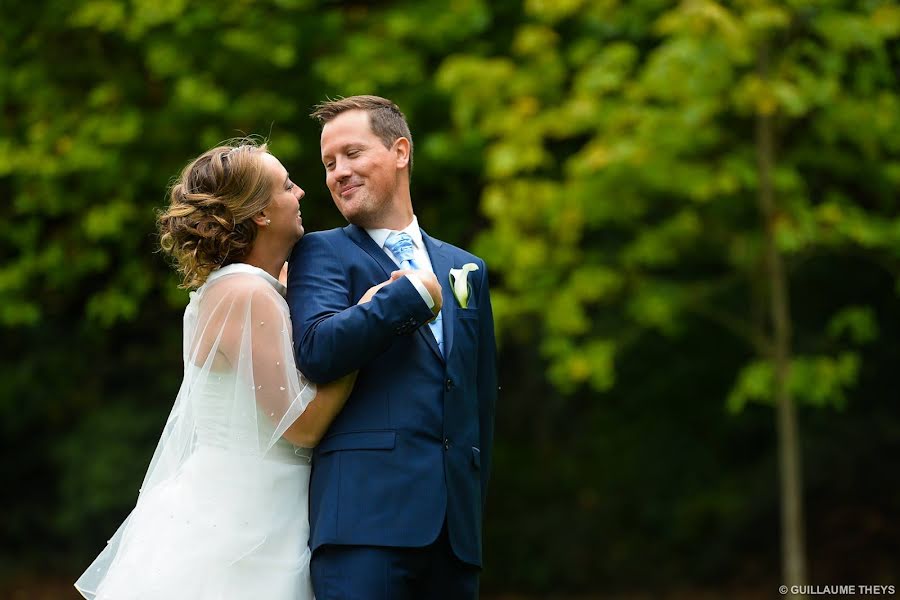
(380, 235)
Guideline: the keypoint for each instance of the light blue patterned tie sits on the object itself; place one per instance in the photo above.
(401, 246)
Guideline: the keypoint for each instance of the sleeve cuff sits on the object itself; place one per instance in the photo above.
(420, 287)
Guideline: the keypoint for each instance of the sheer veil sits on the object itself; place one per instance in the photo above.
(241, 391)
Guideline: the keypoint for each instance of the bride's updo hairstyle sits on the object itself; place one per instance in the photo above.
(209, 220)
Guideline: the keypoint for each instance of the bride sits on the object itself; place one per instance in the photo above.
(222, 512)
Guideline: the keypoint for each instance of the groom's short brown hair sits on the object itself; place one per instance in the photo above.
(385, 118)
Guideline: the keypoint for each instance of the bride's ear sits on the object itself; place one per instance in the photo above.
(261, 220)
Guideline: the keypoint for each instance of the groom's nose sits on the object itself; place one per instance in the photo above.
(341, 169)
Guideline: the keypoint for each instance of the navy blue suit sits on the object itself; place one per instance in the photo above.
(408, 457)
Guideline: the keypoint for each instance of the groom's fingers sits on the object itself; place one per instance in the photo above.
(398, 274)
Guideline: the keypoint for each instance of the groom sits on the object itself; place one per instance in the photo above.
(399, 482)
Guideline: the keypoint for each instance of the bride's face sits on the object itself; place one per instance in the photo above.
(284, 209)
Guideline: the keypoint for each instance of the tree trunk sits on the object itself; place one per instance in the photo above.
(791, 479)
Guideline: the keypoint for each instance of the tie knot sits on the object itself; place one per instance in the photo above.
(401, 245)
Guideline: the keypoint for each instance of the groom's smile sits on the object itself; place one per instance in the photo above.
(348, 189)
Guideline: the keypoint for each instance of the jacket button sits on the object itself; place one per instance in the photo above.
(449, 385)
(446, 443)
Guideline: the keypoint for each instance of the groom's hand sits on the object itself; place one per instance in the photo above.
(430, 282)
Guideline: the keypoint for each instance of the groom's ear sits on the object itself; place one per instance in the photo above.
(401, 152)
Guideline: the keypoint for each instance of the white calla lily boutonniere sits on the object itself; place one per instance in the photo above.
(459, 280)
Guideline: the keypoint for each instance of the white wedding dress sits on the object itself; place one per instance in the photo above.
(222, 513)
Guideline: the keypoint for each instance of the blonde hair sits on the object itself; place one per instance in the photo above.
(209, 220)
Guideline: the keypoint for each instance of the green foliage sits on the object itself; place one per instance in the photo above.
(638, 160)
(815, 380)
(858, 323)
(602, 156)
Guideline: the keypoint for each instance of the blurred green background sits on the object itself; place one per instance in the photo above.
(675, 200)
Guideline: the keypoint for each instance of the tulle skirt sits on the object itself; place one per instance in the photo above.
(227, 527)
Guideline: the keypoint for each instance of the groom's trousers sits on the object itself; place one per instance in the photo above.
(385, 573)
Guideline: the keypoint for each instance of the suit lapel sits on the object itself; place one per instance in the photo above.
(364, 241)
(442, 262)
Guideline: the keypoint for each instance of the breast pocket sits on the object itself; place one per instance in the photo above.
(467, 325)
(466, 336)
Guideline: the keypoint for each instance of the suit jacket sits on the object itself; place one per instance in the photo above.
(413, 442)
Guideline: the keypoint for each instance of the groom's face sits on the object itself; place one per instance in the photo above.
(361, 174)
